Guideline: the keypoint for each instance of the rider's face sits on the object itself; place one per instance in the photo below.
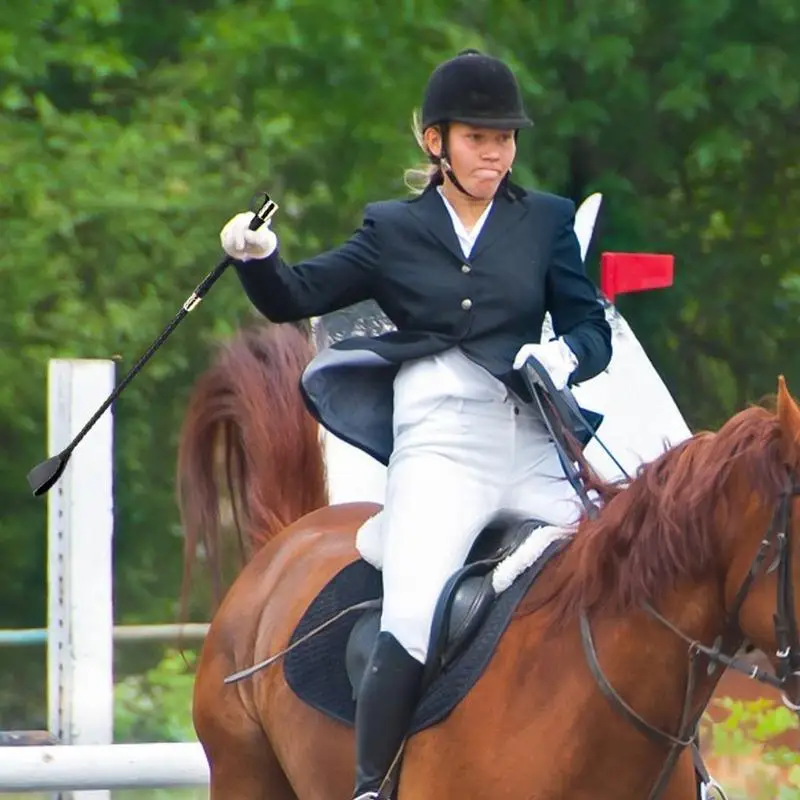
(480, 157)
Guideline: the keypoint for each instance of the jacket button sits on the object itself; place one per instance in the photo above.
(465, 268)
(466, 304)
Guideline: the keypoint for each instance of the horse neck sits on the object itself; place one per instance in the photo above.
(651, 662)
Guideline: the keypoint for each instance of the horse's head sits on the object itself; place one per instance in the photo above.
(762, 590)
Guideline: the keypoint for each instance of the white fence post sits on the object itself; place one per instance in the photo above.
(80, 520)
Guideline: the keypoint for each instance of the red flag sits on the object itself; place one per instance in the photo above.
(634, 272)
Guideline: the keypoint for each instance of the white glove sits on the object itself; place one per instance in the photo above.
(239, 242)
(555, 356)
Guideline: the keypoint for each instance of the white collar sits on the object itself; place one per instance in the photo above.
(466, 238)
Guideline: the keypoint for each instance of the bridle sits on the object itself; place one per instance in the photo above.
(722, 653)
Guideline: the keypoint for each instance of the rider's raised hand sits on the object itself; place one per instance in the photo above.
(239, 242)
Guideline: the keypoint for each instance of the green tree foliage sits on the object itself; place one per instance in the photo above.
(131, 131)
(156, 705)
(750, 736)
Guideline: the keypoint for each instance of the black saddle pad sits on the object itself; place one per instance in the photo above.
(315, 670)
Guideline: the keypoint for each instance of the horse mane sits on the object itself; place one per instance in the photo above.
(249, 455)
(664, 527)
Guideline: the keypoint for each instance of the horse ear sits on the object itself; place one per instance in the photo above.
(788, 414)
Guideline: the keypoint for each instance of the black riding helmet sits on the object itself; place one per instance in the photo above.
(474, 89)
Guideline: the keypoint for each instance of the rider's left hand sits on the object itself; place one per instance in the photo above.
(555, 356)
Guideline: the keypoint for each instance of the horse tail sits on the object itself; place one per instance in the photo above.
(249, 454)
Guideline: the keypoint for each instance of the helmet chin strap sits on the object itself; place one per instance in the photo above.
(447, 168)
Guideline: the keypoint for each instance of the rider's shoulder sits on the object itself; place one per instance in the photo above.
(380, 210)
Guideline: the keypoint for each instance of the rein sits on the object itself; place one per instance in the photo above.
(722, 652)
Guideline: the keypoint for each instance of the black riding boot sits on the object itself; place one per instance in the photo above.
(386, 702)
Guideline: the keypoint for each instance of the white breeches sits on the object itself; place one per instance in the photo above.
(455, 464)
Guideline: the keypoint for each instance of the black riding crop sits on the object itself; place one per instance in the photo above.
(44, 475)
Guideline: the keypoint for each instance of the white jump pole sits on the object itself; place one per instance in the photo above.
(81, 524)
(116, 766)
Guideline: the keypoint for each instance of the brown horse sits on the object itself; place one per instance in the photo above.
(583, 696)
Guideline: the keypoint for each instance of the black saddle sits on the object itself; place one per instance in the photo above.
(462, 606)
(325, 669)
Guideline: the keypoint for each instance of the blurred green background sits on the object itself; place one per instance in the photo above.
(131, 131)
